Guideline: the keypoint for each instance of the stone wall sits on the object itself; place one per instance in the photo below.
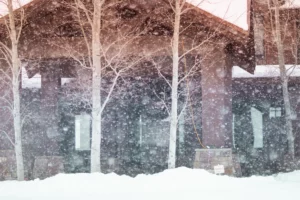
(208, 158)
(47, 166)
(7, 165)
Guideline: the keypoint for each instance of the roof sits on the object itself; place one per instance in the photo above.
(211, 11)
(201, 10)
(232, 11)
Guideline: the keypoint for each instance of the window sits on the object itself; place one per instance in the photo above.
(259, 36)
(82, 132)
(275, 112)
(68, 30)
(233, 132)
(127, 13)
(257, 124)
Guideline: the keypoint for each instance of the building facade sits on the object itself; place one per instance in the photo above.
(216, 112)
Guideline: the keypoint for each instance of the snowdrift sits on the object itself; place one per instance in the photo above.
(177, 184)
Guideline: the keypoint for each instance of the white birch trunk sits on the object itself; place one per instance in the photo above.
(284, 80)
(174, 98)
(16, 65)
(96, 88)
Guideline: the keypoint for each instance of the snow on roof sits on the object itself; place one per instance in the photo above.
(34, 82)
(233, 11)
(266, 71)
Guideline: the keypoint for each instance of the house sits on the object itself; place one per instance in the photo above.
(258, 101)
(56, 136)
(259, 118)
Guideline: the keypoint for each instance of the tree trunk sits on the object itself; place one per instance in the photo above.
(174, 98)
(16, 65)
(284, 80)
(96, 88)
(18, 129)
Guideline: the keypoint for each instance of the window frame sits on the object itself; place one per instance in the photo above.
(79, 135)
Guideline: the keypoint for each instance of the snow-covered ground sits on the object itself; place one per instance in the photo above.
(177, 184)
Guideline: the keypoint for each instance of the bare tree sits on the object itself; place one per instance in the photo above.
(284, 78)
(105, 60)
(96, 87)
(174, 96)
(179, 8)
(10, 56)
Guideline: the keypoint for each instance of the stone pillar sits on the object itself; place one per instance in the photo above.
(216, 86)
(50, 89)
(49, 162)
(209, 158)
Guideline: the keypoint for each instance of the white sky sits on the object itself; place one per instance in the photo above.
(292, 4)
(233, 11)
(3, 7)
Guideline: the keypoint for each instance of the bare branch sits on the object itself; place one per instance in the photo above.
(8, 137)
